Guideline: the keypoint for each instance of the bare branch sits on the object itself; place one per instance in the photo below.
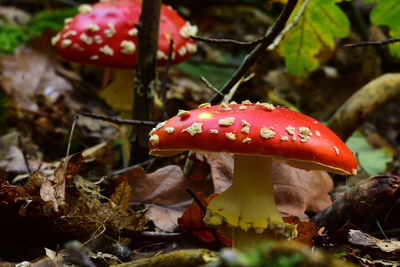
(366, 43)
(118, 121)
(227, 41)
(259, 50)
(258, 40)
(209, 85)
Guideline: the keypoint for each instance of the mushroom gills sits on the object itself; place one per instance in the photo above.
(248, 206)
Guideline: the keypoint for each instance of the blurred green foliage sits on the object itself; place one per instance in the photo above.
(259, 258)
(49, 19)
(372, 159)
(13, 35)
(387, 12)
(278, 254)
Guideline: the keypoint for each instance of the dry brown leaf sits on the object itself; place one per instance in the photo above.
(296, 190)
(164, 218)
(28, 73)
(164, 193)
(165, 187)
(53, 186)
(359, 238)
(14, 161)
(122, 195)
(221, 168)
(12, 194)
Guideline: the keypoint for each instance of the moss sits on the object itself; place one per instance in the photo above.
(11, 36)
(14, 35)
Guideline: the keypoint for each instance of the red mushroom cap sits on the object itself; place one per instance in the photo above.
(104, 34)
(259, 129)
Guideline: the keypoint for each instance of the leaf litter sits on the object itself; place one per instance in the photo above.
(78, 197)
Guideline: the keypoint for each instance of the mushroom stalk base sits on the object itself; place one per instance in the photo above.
(248, 205)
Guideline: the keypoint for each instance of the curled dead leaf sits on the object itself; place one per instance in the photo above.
(53, 186)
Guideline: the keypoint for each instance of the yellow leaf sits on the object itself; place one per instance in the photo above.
(119, 94)
(122, 195)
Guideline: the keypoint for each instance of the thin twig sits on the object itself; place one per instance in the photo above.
(209, 85)
(380, 229)
(228, 97)
(141, 164)
(366, 43)
(259, 50)
(259, 40)
(28, 168)
(197, 200)
(204, 211)
(224, 41)
(288, 27)
(71, 134)
(119, 121)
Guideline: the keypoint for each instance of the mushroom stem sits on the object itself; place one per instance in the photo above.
(248, 205)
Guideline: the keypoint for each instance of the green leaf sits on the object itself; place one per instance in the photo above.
(372, 160)
(11, 36)
(313, 35)
(387, 12)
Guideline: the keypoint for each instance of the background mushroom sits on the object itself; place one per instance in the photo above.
(105, 34)
(257, 134)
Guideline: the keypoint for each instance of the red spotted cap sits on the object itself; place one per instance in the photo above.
(105, 34)
(255, 129)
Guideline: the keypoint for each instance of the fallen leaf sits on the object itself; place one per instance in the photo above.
(221, 165)
(297, 190)
(53, 186)
(74, 165)
(12, 194)
(164, 218)
(122, 195)
(369, 262)
(166, 186)
(14, 161)
(164, 193)
(28, 73)
(359, 238)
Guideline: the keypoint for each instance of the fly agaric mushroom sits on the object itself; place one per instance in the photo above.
(105, 34)
(256, 134)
